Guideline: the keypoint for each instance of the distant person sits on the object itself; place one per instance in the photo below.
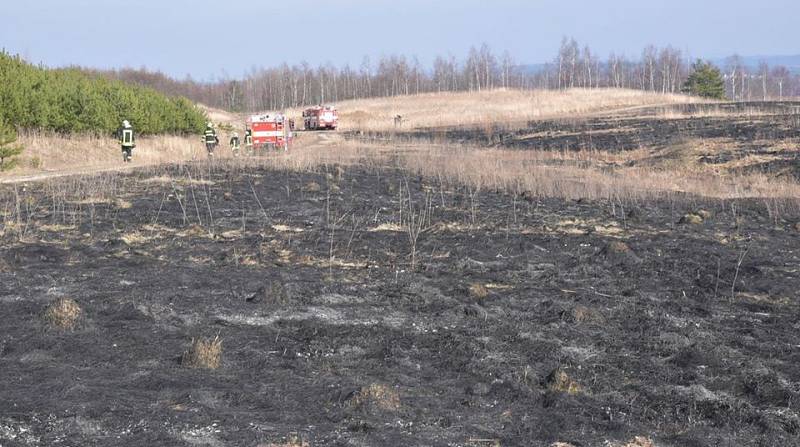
(248, 141)
(210, 138)
(235, 144)
(127, 139)
(398, 121)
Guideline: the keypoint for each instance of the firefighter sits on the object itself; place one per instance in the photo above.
(248, 141)
(210, 138)
(235, 144)
(127, 139)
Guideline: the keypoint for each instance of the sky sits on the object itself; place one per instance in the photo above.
(211, 40)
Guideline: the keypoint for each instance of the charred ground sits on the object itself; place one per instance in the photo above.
(524, 321)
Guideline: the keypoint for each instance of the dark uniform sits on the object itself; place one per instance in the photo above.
(211, 140)
(248, 141)
(235, 145)
(127, 139)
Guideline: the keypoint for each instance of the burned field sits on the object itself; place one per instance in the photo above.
(246, 306)
(742, 138)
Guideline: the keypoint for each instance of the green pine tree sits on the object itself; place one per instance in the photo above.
(8, 150)
(705, 81)
(71, 101)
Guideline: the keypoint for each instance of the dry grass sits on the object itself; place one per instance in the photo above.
(691, 219)
(380, 396)
(490, 107)
(582, 314)
(312, 187)
(478, 291)
(639, 175)
(204, 353)
(560, 382)
(48, 151)
(639, 441)
(594, 175)
(292, 441)
(63, 314)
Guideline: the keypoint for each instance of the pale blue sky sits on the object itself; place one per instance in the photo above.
(212, 39)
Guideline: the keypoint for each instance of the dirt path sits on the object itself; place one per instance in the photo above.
(39, 176)
(304, 140)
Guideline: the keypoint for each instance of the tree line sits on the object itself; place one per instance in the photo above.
(663, 70)
(69, 100)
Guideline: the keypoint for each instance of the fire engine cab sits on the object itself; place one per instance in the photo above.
(270, 130)
(320, 118)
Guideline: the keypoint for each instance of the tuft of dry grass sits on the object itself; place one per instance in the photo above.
(478, 291)
(691, 219)
(312, 187)
(490, 107)
(291, 441)
(63, 313)
(204, 353)
(582, 314)
(618, 247)
(380, 396)
(560, 382)
(639, 441)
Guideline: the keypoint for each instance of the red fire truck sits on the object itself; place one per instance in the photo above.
(320, 118)
(270, 131)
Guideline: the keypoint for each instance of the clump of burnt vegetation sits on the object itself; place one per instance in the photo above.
(478, 292)
(205, 353)
(63, 314)
(292, 441)
(560, 382)
(377, 396)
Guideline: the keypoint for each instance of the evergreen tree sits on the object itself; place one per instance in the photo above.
(69, 100)
(705, 81)
(8, 136)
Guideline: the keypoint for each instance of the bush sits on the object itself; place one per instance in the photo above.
(69, 101)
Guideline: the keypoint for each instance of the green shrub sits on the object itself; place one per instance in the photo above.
(8, 150)
(70, 101)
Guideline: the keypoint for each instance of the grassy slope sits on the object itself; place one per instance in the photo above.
(489, 107)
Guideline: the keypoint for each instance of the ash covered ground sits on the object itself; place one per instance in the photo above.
(520, 322)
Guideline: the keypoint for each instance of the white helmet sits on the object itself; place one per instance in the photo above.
(126, 124)
(210, 124)
(236, 134)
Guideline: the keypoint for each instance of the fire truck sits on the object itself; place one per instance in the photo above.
(270, 131)
(320, 118)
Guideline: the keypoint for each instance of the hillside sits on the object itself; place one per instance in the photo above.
(493, 107)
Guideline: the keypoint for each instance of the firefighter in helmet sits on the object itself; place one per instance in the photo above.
(248, 141)
(210, 138)
(127, 139)
(235, 144)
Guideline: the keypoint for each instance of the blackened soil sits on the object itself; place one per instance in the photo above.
(687, 334)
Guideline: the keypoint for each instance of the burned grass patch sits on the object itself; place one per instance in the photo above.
(328, 326)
